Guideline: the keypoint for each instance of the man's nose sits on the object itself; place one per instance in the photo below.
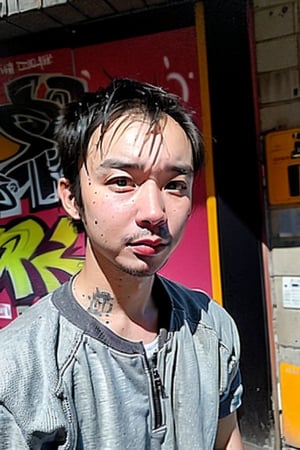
(151, 205)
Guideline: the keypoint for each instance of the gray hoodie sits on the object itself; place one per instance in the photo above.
(68, 382)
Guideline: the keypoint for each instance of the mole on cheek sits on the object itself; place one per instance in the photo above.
(95, 221)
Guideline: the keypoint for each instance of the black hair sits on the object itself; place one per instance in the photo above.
(78, 121)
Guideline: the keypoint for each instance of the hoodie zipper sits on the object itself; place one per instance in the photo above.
(158, 392)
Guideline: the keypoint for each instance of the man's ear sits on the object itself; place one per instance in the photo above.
(67, 198)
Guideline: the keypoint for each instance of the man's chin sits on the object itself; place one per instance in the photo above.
(141, 267)
(138, 273)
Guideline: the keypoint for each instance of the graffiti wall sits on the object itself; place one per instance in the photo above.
(38, 247)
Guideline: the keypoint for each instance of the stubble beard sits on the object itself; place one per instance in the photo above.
(147, 272)
(142, 272)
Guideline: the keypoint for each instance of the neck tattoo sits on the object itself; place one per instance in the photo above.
(101, 304)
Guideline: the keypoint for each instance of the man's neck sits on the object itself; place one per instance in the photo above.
(125, 306)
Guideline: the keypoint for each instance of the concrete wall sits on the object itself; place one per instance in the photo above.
(277, 36)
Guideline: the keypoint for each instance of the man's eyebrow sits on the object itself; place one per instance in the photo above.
(181, 169)
(114, 163)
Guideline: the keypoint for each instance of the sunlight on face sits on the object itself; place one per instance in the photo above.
(136, 192)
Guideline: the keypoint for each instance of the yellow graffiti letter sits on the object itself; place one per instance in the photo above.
(65, 236)
(17, 245)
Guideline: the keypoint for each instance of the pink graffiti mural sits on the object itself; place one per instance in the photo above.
(38, 247)
(37, 244)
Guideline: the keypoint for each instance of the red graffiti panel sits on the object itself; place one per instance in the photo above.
(171, 60)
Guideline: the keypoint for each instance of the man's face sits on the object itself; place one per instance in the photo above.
(136, 194)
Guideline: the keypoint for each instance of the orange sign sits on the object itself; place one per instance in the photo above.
(290, 398)
(283, 166)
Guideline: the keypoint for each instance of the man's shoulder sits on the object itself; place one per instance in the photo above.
(31, 316)
(180, 292)
(39, 322)
(28, 316)
(29, 356)
(184, 296)
(199, 307)
(30, 344)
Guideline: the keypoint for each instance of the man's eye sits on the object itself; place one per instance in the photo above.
(176, 186)
(121, 182)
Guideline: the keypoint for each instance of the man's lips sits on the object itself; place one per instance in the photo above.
(148, 246)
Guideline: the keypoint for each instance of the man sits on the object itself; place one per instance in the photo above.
(119, 357)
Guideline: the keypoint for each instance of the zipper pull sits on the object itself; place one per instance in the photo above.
(158, 383)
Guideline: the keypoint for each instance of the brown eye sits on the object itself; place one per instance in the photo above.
(176, 185)
(121, 184)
